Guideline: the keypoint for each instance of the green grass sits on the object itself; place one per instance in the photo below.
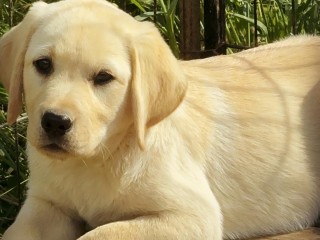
(13, 167)
(274, 22)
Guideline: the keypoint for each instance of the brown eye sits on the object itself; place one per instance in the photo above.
(103, 77)
(43, 65)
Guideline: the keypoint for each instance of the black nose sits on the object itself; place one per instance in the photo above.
(55, 125)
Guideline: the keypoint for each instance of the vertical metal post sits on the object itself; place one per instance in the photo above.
(214, 27)
(222, 20)
(294, 23)
(190, 28)
(211, 25)
(255, 23)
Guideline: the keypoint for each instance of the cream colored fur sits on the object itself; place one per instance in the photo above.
(224, 147)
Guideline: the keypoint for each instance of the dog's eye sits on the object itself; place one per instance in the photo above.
(43, 65)
(102, 78)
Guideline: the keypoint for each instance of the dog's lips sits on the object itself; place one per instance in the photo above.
(53, 147)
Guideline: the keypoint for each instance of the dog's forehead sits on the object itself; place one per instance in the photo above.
(72, 35)
(98, 30)
(83, 17)
(65, 5)
(87, 14)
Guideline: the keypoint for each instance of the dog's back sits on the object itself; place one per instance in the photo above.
(264, 113)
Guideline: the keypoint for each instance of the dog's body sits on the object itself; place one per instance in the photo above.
(205, 149)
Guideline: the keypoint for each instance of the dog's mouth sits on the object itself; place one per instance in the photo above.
(53, 147)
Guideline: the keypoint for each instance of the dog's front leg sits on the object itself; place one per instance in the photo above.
(163, 226)
(41, 220)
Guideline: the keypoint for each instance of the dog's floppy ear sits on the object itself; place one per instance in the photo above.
(13, 46)
(158, 82)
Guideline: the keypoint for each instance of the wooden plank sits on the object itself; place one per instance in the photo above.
(308, 234)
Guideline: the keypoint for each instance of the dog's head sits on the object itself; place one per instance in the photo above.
(89, 72)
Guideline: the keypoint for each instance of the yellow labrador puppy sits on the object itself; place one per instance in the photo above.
(126, 142)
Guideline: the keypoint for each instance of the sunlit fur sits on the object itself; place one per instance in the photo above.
(224, 147)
